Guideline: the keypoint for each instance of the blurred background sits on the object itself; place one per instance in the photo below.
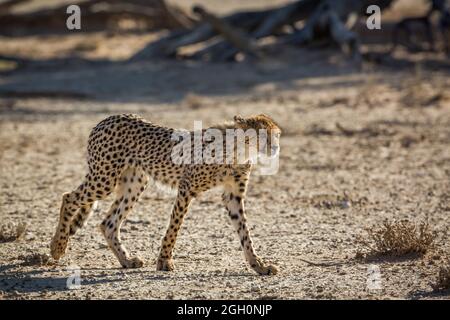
(147, 43)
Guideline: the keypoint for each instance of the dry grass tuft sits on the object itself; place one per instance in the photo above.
(397, 238)
(12, 232)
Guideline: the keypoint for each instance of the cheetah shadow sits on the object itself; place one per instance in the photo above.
(194, 276)
(37, 281)
(13, 281)
(424, 294)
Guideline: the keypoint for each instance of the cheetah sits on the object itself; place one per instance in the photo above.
(125, 151)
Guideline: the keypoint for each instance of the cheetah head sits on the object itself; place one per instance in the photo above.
(268, 142)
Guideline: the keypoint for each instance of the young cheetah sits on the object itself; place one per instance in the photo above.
(124, 151)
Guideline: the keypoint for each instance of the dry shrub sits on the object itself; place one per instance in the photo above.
(331, 201)
(443, 280)
(398, 238)
(12, 232)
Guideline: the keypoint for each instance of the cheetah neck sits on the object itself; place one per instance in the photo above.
(224, 126)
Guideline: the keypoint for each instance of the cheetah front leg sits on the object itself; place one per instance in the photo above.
(233, 198)
(180, 208)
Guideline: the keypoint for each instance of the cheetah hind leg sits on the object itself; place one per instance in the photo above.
(132, 183)
(77, 202)
(80, 218)
(59, 242)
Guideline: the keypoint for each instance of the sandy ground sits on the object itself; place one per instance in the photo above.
(394, 165)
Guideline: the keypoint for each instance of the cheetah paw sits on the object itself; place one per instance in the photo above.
(164, 265)
(58, 247)
(133, 263)
(265, 270)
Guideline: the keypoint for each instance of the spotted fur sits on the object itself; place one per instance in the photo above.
(124, 152)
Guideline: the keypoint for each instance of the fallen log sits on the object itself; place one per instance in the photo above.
(344, 37)
(334, 20)
(229, 33)
(202, 33)
(178, 15)
(272, 20)
(256, 23)
(169, 45)
(323, 20)
(223, 37)
(284, 15)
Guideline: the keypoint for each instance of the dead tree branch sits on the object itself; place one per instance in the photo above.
(239, 32)
(229, 33)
